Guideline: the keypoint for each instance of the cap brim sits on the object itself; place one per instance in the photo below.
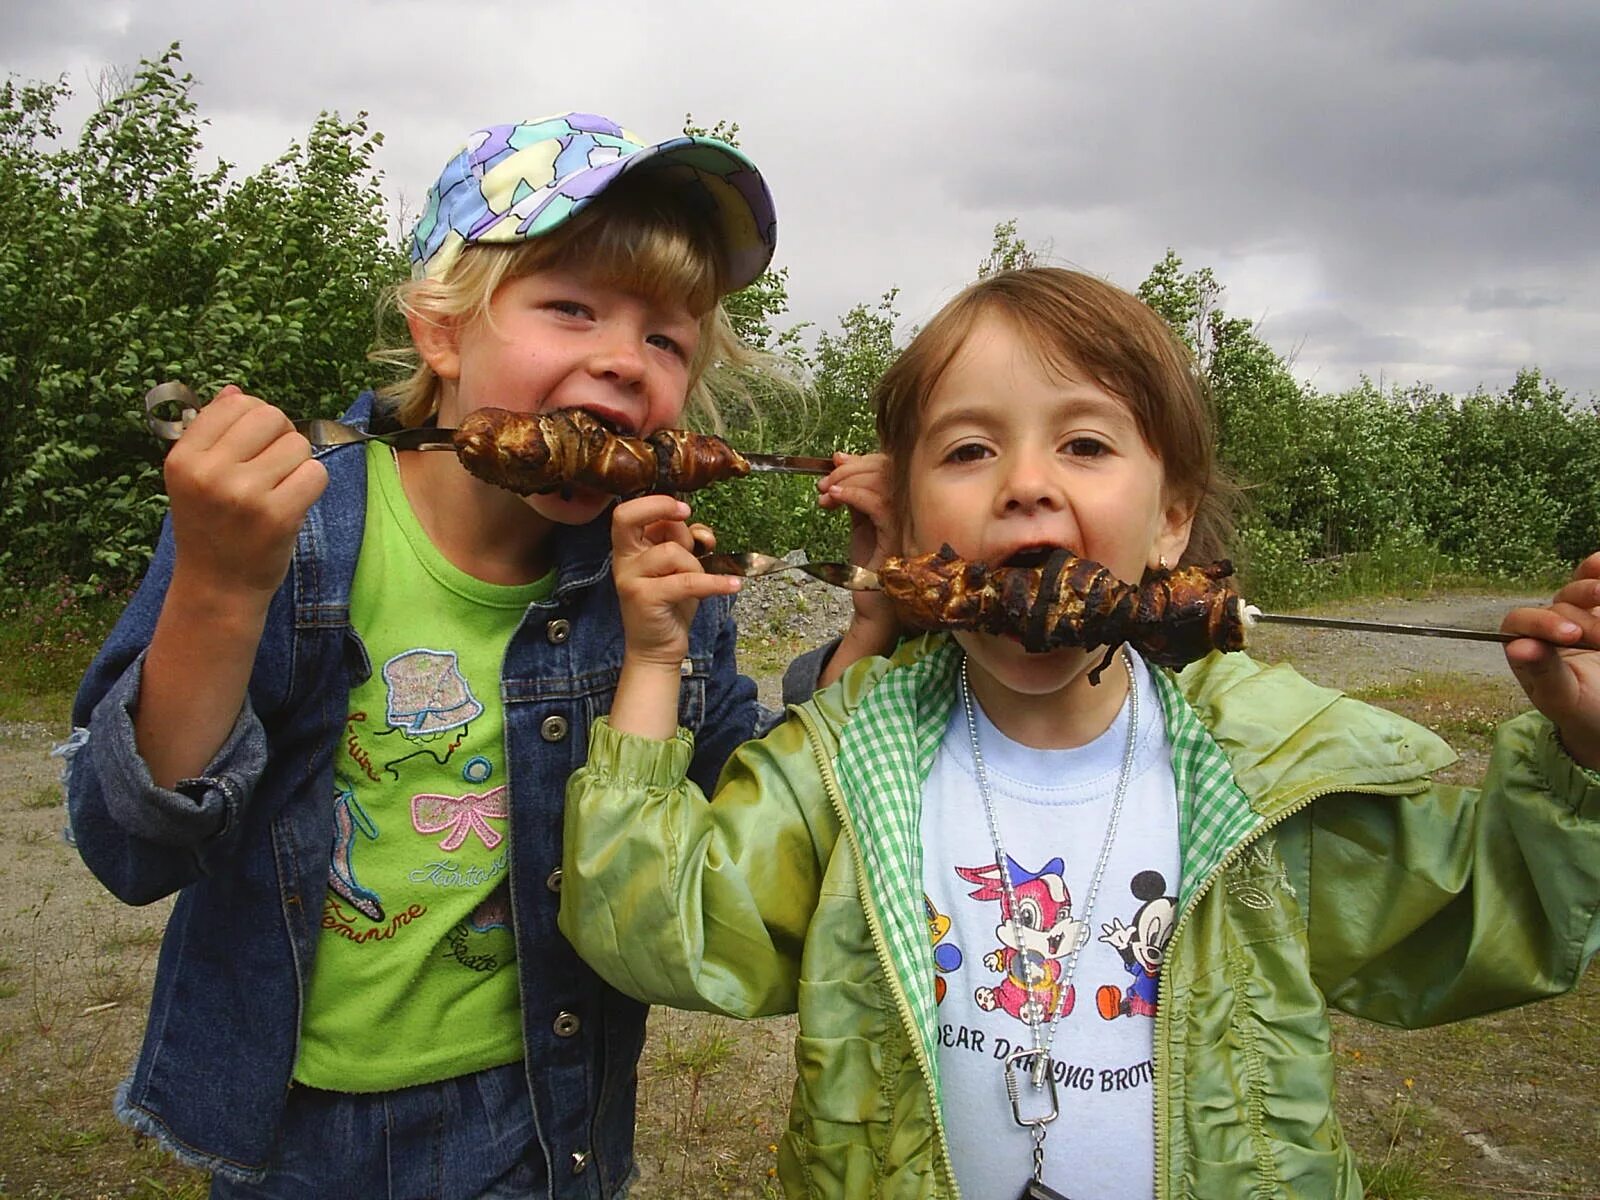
(740, 199)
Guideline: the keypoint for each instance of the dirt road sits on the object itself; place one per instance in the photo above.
(1508, 1105)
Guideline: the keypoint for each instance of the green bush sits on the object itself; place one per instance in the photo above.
(125, 262)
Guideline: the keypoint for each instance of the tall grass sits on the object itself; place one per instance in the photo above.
(46, 642)
(1277, 573)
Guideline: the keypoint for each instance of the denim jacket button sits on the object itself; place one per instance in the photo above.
(580, 1161)
(553, 880)
(566, 1024)
(558, 631)
(553, 728)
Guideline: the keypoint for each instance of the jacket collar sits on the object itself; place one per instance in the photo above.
(887, 750)
(1250, 744)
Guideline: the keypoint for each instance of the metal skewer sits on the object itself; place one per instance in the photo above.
(752, 566)
(1253, 614)
(170, 407)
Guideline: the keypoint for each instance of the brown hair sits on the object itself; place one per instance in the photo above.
(638, 237)
(1075, 322)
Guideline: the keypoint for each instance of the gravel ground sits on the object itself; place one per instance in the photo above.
(75, 979)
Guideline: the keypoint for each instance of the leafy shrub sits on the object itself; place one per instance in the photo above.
(124, 263)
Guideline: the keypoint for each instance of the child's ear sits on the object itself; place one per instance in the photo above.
(438, 341)
(1177, 522)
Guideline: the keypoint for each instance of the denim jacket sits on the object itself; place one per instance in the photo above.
(247, 844)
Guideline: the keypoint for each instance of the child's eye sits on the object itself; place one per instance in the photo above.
(1086, 447)
(662, 342)
(967, 452)
(569, 308)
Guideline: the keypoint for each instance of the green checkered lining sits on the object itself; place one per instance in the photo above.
(885, 753)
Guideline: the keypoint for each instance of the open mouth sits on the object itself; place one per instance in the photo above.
(1032, 556)
(610, 422)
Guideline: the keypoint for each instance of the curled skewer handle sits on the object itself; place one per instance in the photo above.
(168, 409)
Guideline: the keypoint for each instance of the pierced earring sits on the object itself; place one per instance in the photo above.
(1163, 561)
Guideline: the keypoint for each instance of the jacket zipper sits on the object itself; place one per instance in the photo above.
(891, 973)
(1163, 997)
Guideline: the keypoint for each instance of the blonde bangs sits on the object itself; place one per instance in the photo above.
(654, 252)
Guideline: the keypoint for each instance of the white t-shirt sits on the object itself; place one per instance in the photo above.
(1052, 808)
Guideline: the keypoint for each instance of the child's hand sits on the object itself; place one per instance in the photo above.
(241, 481)
(861, 483)
(659, 582)
(1561, 678)
(659, 585)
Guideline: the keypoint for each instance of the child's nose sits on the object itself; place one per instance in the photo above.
(1032, 483)
(618, 356)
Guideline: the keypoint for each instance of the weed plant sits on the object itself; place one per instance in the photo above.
(47, 640)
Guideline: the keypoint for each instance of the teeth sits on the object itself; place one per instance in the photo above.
(611, 424)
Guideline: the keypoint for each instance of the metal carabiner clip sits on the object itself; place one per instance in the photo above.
(1024, 1058)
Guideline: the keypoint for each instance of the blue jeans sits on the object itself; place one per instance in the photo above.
(469, 1138)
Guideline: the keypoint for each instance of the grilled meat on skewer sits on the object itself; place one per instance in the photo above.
(687, 462)
(1173, 619)
(1182, 615)
(544, 452)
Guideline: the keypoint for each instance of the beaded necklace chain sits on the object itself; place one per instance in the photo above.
(1042, 1030)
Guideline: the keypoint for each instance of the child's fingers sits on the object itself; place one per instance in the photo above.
(868, 501)
(1589, 568)
(281, 457)
(654, 574)
(632, 520)
(1542, 633)
(689, 585)
(852, 468)
(244, 469)
(664, 559)
(1583, 591)
(704, 538)
(215, 421)
(675, 532)
(258, 427)
(302, 487)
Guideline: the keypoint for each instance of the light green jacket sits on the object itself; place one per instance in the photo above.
(1320, 866)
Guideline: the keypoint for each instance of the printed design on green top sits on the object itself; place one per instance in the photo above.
(494, 911)
(427, 694)
(482, 942)
(1037, 931)
(426, 697)
(348, 819)
(461, 816)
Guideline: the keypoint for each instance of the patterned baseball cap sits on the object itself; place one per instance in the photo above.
(510, 183)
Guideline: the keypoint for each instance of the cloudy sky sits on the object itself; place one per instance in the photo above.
(1405, 188)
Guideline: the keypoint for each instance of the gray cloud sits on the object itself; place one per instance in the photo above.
(1403, 189)
(1488, 299)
